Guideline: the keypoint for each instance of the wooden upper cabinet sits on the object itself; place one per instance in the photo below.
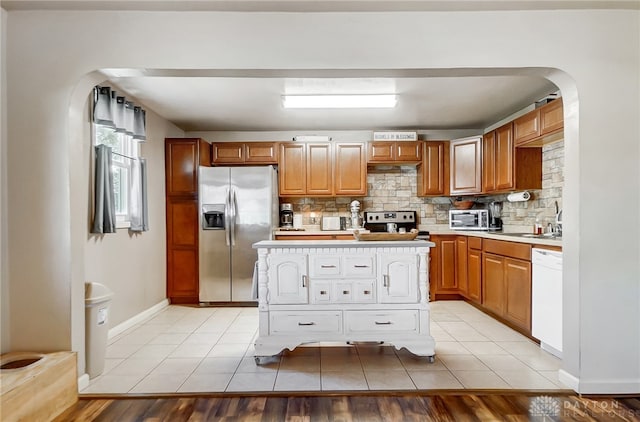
(527, 127)
(350, 163)
(551, 117)
(322, 169)
(409, 152)
(504, 161)
(380, 152)
(433, 172)
(397, 152)
(489, 161)
(466, 166)
(261, 152)
(182, 158)
(227, 153)
(536, 127)
(506, 167)
(230, 153)
(319, 169)
(292, 169)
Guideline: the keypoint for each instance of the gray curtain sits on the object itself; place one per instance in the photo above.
(104, 217)
(115, 111)
(139, 214)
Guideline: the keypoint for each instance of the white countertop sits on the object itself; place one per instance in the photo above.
(433, 230)
(506, 236)
(342, 244)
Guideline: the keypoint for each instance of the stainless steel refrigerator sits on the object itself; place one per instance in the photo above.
(238, 207)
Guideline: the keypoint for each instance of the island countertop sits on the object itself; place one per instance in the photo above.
(343, 244)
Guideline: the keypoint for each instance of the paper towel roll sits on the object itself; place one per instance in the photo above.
(519, 196)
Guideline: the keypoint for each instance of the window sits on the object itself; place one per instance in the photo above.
(124, 149)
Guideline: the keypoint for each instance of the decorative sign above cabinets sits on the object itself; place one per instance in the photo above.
(395, 136)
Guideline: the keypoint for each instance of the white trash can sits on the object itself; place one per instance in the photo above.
(97, 298)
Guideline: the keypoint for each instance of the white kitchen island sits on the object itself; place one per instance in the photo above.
(343, 291)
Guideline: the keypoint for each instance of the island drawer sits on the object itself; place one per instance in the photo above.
(324, 265)
(283, 322)
(401, 321)
(359, 266)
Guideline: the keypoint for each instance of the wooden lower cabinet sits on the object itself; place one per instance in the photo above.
(474, 275)
(494, 274)
(442, 271)
(182, 250)
(462, 276)
(506, 289)
(518, 286)
(493, 283)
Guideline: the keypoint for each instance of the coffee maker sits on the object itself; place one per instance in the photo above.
(495, 216)
(286, 215)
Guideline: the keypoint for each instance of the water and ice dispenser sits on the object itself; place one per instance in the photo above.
(213, 216)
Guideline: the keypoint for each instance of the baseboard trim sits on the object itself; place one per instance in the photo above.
(601, 386)
(568, 380)
(83, 382)
(125, 325)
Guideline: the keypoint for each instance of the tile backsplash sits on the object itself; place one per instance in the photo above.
(395, 188)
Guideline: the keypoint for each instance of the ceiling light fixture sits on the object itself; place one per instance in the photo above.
(340, 101)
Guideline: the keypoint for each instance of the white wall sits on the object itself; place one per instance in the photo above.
(133, 266)
(596, 51)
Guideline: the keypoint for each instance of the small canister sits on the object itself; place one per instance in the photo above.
(392, 227)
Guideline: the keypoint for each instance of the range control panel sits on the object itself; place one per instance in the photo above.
(390, 217)
(376, 221)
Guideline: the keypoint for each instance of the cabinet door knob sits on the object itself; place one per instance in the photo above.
(327, 266)
(361, 266)
(304, 281)
(385, 280)
(308, 323)
(367, 292)
(383, 323)
(345, 292)
(323, 292)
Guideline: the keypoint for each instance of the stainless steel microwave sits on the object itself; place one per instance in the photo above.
(469, 219)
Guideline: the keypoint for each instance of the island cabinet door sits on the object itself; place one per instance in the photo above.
(288, 279)
(398, 278)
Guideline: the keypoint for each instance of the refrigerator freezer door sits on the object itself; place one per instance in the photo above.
(253, 191)
(214, 252)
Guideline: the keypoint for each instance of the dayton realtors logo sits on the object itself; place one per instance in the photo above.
(547, 408)
(544, 408)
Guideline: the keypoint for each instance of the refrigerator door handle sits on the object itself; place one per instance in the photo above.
(234, 211)
(227, 218)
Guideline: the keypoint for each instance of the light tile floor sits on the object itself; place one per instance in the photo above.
(189, 349)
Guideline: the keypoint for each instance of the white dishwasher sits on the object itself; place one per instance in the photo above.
(546, 312)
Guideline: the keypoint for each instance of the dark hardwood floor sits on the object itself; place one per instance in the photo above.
(498, 406)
